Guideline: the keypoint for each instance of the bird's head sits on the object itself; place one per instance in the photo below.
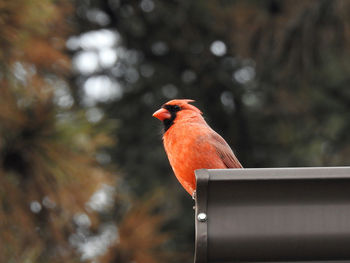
(174, 110)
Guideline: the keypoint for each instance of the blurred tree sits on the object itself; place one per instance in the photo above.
(55, 197)
(141, 236)
(271, 77)
(205, 51)
(299, 103)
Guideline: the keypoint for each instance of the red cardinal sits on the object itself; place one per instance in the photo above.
(191, 144)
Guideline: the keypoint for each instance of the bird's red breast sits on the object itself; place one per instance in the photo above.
(191, 144)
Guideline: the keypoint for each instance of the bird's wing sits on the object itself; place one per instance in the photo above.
(225, 152)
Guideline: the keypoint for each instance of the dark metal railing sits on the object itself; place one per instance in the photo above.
(273, 215)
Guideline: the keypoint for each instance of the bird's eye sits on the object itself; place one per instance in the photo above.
(172, 108)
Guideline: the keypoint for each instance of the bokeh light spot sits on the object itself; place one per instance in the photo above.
(146, 70)
(102, 198)
(86, 62)
(82, 220)
(169, 91)
(48, 203)
(244, 75)
(97, 16)
(218, 48)
(227, 100)
(159, 48)
(108, 57)
(101, 89)
(35, 207)
(94, 114)
(147, 5)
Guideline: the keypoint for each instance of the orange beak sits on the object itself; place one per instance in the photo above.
(162, 114)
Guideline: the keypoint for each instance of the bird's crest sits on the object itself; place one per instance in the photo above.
(184, 104)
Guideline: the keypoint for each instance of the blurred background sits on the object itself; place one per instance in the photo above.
(83, 173)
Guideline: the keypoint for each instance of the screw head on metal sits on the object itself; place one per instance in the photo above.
(202, 217)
